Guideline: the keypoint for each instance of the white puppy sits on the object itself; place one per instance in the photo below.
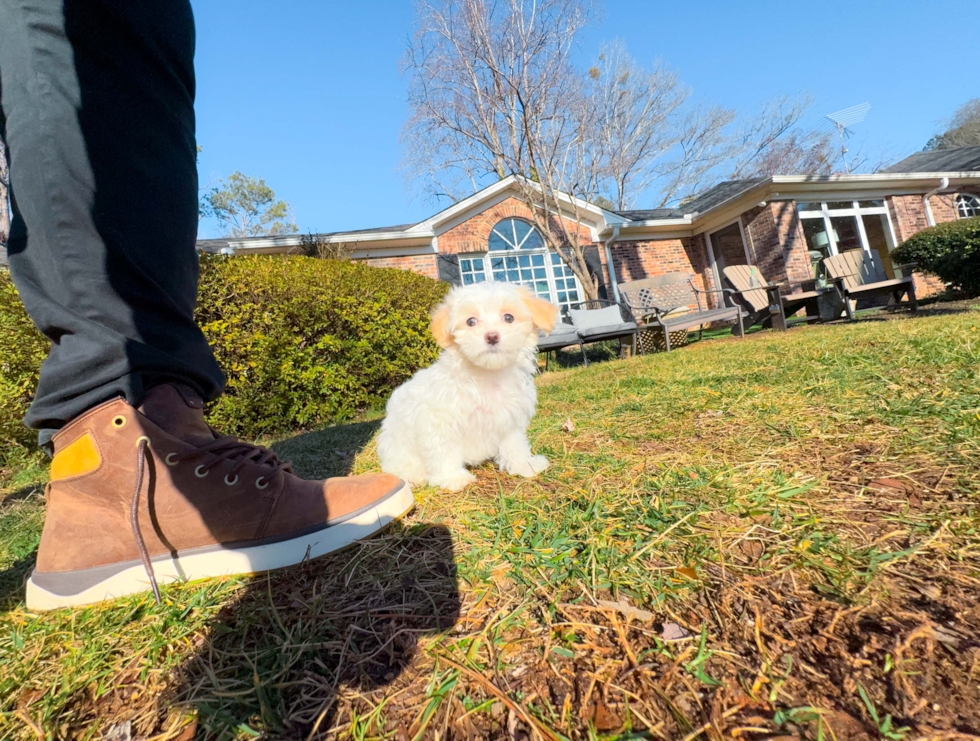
(476, 402)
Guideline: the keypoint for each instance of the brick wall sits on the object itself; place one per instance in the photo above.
(423, 264)
(472, 235)
(908, 215)
(648, 258)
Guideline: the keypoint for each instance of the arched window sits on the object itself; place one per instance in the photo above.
(517, 253)
(514, 234)
(967, 206)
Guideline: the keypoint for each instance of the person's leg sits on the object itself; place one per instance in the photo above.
(98, 105)
(100, 128)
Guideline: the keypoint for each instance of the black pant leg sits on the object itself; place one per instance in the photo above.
(97, 101)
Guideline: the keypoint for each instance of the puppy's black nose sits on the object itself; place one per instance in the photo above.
(492, 338)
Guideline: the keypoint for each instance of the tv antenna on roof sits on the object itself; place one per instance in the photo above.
(843, 121)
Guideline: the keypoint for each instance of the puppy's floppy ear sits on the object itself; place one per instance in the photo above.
(440, 323)
(544, 314)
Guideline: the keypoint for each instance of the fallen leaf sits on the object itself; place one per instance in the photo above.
(189, 732)
(569, 426)
(692, 475)
(753, 549)
(688, 572)
(914, 501)
(604, 718)
(627, 609)
(891, 484)
(674, 632)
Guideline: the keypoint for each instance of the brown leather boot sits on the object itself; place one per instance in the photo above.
(151, 495)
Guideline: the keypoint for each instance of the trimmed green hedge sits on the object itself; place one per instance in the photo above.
(950, 250)
(303, 341)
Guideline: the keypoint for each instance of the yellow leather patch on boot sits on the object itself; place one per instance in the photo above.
(77, 459)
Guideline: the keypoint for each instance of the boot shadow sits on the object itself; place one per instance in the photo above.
(274, 662)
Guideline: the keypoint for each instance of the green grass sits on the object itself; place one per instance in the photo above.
(777, 534)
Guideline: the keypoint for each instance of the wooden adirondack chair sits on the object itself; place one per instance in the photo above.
(859, 274)
(764, 302)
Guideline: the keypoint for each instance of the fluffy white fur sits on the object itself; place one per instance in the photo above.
(476, 402)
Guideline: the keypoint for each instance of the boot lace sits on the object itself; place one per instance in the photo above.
(222, 448)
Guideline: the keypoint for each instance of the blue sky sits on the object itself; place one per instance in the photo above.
(309, 96)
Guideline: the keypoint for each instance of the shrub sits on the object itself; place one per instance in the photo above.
(23, 350)
(303, 342)
(950, 250)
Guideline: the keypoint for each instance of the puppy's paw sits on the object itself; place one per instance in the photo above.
(539, 463)
(528, 468)
(453, 481)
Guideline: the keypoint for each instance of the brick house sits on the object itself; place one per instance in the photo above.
(782, 224)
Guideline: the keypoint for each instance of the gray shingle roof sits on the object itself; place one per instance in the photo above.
(699, 204)
(960, 159)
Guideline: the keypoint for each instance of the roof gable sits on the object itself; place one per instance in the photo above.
(960, 159)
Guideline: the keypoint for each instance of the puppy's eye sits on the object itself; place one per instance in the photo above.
(509, 318)
(471, 322)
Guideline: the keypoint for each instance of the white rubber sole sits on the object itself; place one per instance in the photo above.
(231, 561)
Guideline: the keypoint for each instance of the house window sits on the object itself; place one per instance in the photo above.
(967, 206)
(516, 253)
(832, 227)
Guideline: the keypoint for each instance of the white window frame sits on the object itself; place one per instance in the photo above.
(512, 251)
(857, 211)
(967, 197)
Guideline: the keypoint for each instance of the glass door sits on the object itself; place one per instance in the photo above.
(832, 227)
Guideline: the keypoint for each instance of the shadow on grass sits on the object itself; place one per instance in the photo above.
(281, 661)
(298, 643)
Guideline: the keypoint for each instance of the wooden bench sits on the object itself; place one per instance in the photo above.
(672, 302)
(859, 274)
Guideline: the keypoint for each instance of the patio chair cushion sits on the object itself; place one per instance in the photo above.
(608, 330)
(561, 336)
(588, 318)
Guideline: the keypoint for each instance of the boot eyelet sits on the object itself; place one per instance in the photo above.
(197, 471)
(119, 422)
(261, 482)
(233, 481)
(171, 459)
(143, 439)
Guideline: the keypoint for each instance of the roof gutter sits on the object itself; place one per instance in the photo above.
(609, 263)
(943, 184)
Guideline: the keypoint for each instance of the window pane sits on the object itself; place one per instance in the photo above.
(468, 278)
(541, 287)
(537, 260)
(511, 263)
(497, 263)
(871, 204)
(562, 297)
(817, 241)
(807, 206)
(464, 265)
(840, 204)
(525, 261)
(540, 273)
(967, 206)
(496, 242)
(501, 275)
(846, 231)
(480, 277)
(526, 275)
(573, 295)
(533, 242)
(512, 276)
(478, 264)
(521, 228)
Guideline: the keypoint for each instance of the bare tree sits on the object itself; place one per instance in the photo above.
(962, 129)
(314, 245)
(493, 92)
